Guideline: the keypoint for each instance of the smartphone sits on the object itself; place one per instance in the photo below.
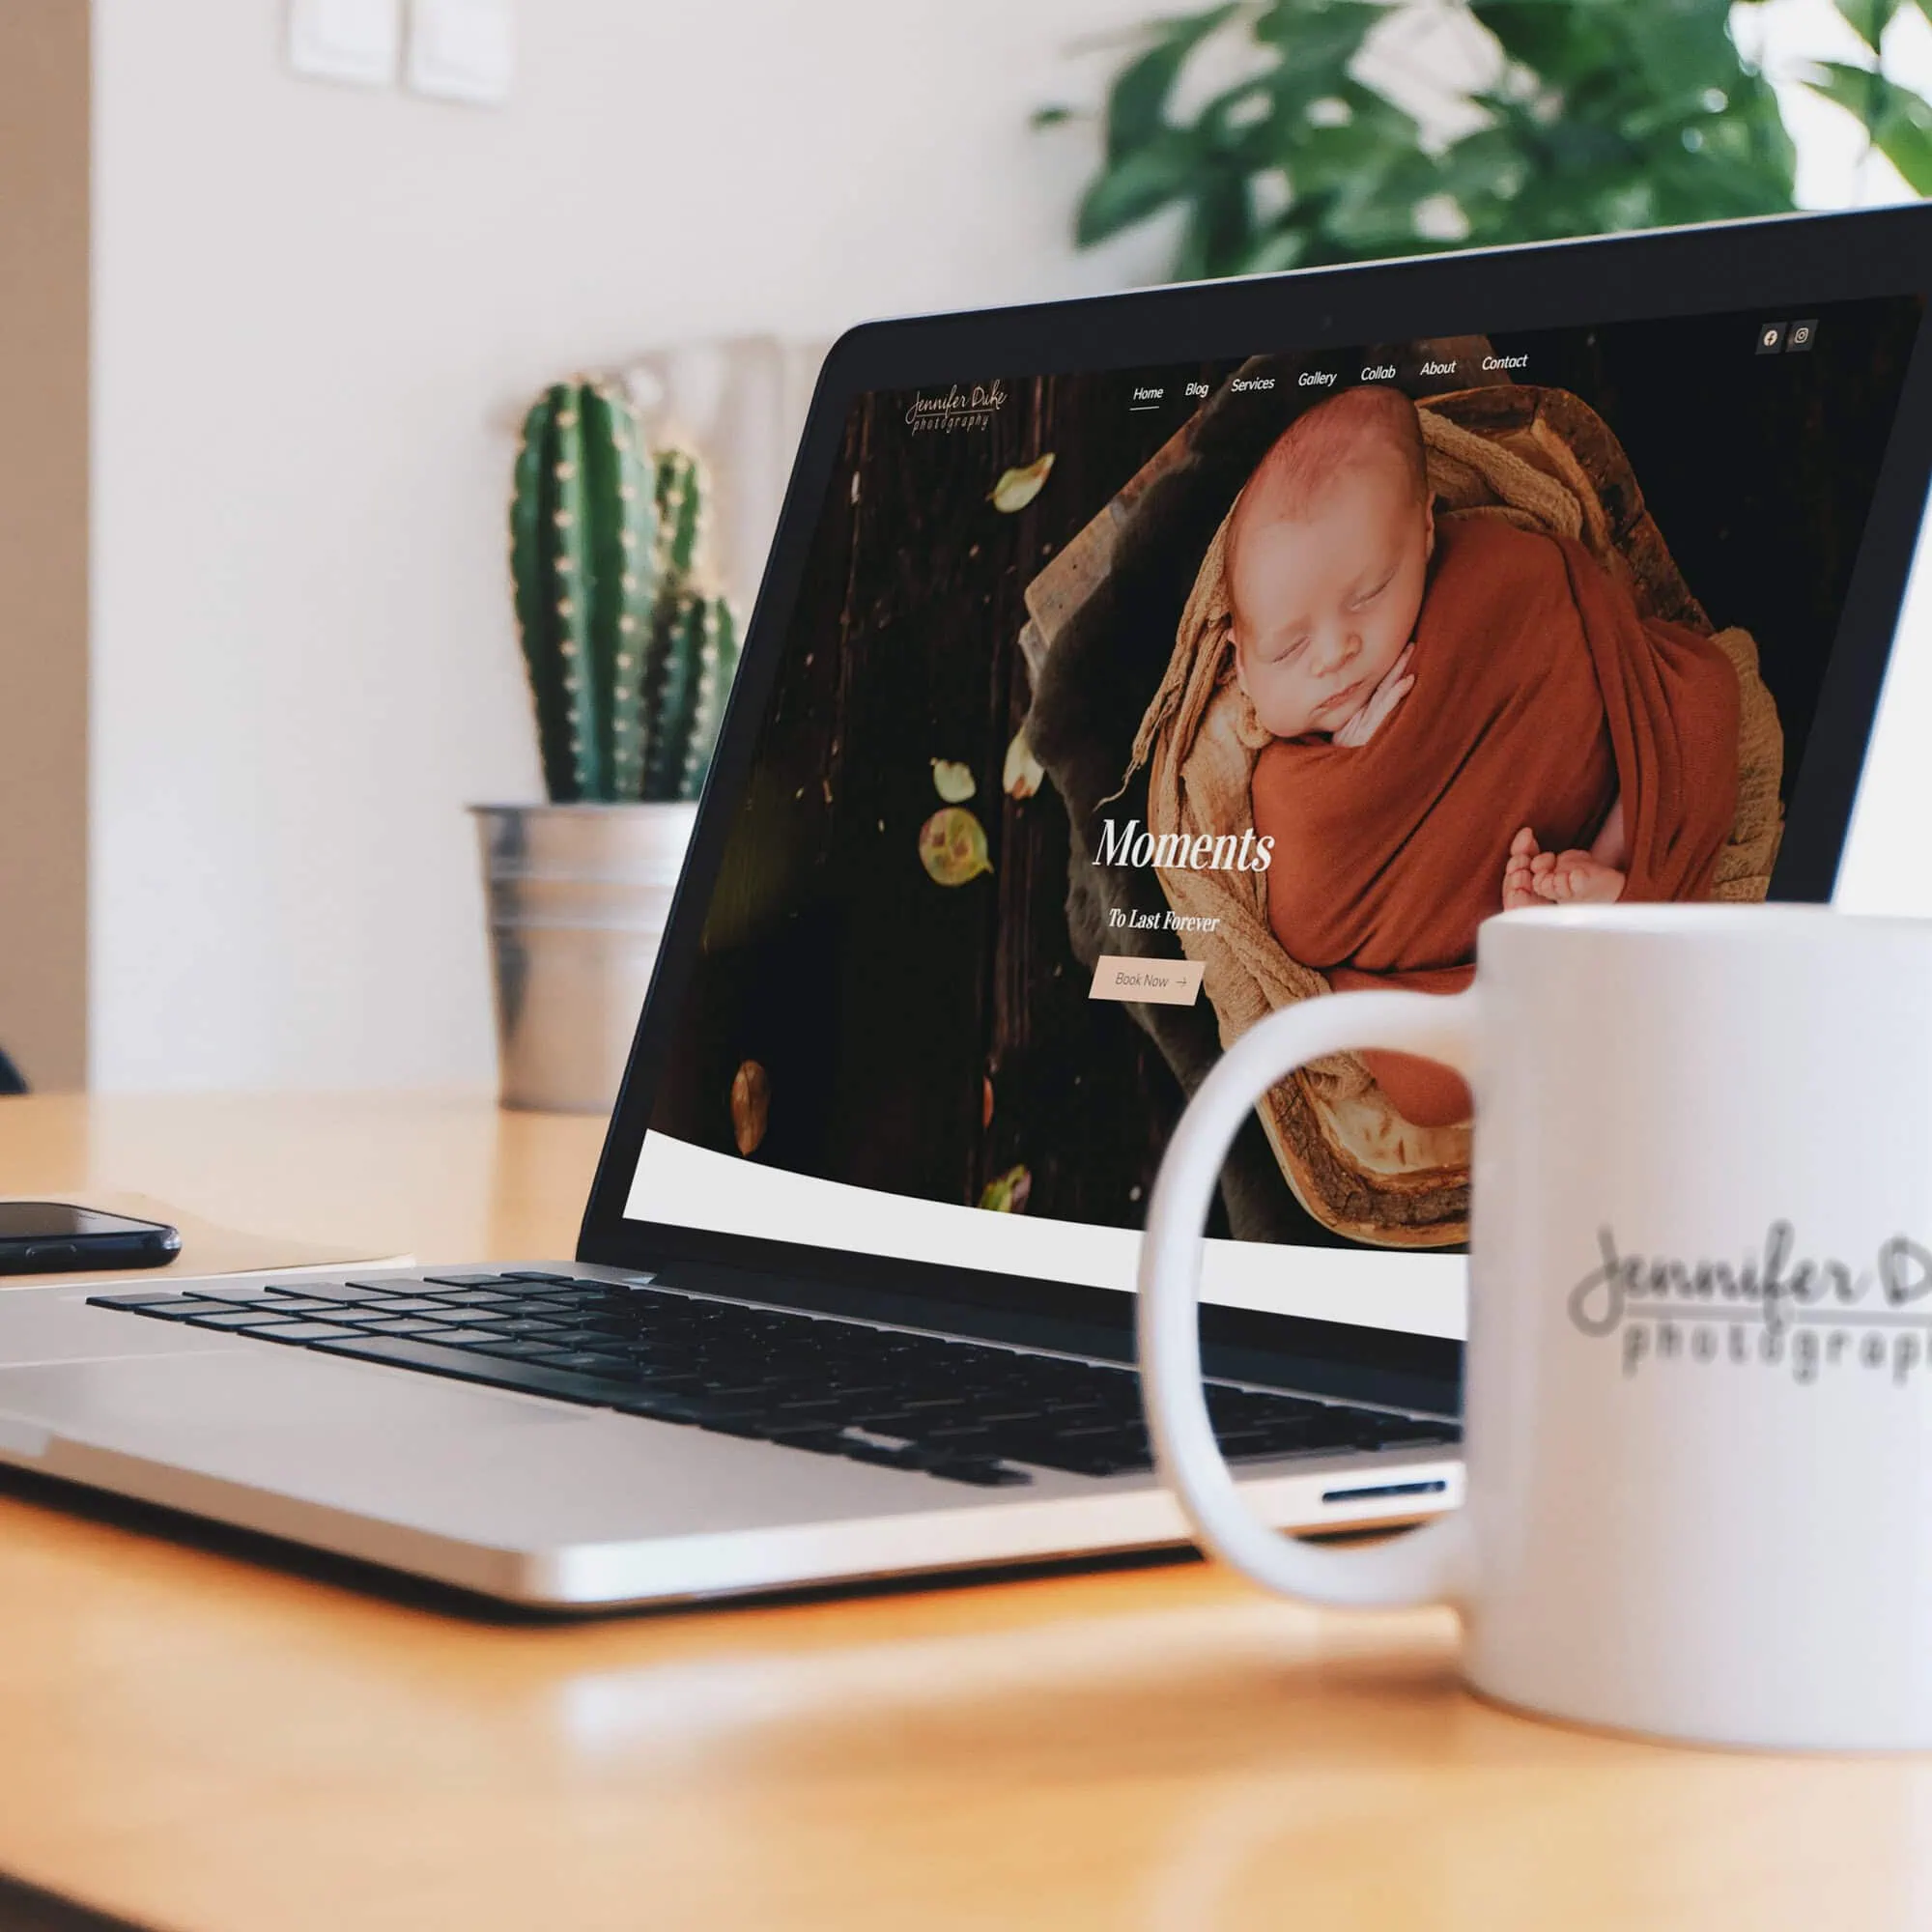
(50, 1237)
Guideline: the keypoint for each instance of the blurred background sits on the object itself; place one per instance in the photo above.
(279, 280)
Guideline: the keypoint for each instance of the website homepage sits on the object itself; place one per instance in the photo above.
(1118, 710)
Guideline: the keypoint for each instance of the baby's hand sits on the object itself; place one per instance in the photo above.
(1386, 695)
(1519, 871)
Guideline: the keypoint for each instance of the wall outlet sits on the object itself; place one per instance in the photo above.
(463, 49)
(354, 40)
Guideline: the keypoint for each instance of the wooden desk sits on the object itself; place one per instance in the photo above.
(195, 1736)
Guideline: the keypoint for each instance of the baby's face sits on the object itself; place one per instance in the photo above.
(1325, 601)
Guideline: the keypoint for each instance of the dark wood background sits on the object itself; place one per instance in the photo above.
(880, 1002)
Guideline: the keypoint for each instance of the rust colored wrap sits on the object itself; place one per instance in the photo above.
(1539, 696)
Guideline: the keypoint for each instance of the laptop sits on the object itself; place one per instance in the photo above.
(979, 889)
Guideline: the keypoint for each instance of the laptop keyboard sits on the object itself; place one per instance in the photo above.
(968, 1411)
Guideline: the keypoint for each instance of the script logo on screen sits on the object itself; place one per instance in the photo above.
(958, 408)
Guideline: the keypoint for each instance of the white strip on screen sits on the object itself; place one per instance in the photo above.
(690, 1187)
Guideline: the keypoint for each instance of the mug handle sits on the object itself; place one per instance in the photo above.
(1424, 1566)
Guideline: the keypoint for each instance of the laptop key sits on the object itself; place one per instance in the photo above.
(466, 1365)
(1248, 1450)
(512, 1350)
(821, 1441)
(182, 1310)
(1403, 1432)
(984, 1473)
(580, 1334)
(755, 1427)
(300, 1331)
(664, 1381)
(667, 1405)
(962, 1442)
(870, 1447)
(890, 1421)
(141, 1304)
(587, 1361)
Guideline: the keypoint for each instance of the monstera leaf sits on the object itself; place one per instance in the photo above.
(1588, 115)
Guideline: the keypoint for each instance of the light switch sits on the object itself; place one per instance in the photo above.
(463, 49)
(356, 41)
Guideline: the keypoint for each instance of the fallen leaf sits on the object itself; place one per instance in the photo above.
(751, 1105)
(952, 781)
(952, 846)
(1024, 772)
(1017, 488)
(987, 1102)
(1007, 1193)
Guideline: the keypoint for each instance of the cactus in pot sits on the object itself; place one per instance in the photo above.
(630, 658)
(629, 655)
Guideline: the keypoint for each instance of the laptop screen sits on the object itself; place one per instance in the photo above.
(1120, 708)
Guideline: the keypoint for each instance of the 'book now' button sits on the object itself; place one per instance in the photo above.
(1166, 982)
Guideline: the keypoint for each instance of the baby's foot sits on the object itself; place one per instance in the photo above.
(1519, 876)
(1575, 878)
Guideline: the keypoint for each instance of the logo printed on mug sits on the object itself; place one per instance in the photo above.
(1768, 1309)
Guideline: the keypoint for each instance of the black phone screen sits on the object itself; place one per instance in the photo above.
(55, 1220)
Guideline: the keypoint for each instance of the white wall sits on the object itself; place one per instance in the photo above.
(313, 306)
(314, 310)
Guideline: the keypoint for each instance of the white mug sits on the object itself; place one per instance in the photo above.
(1699, 1379)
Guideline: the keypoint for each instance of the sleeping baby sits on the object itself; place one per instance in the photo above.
(1463, 718)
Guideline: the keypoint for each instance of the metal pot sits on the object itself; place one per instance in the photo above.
(578, 897)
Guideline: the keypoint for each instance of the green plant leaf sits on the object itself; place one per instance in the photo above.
(1318, 35)
(1859, 90)
(1283, 247)
(1137, 101)
(1868, 19)
(1219, 230)
(1135, 188)
(1898, 121)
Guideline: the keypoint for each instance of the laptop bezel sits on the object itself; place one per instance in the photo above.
(1773, 265)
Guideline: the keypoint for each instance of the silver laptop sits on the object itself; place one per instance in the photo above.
(978, 893)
